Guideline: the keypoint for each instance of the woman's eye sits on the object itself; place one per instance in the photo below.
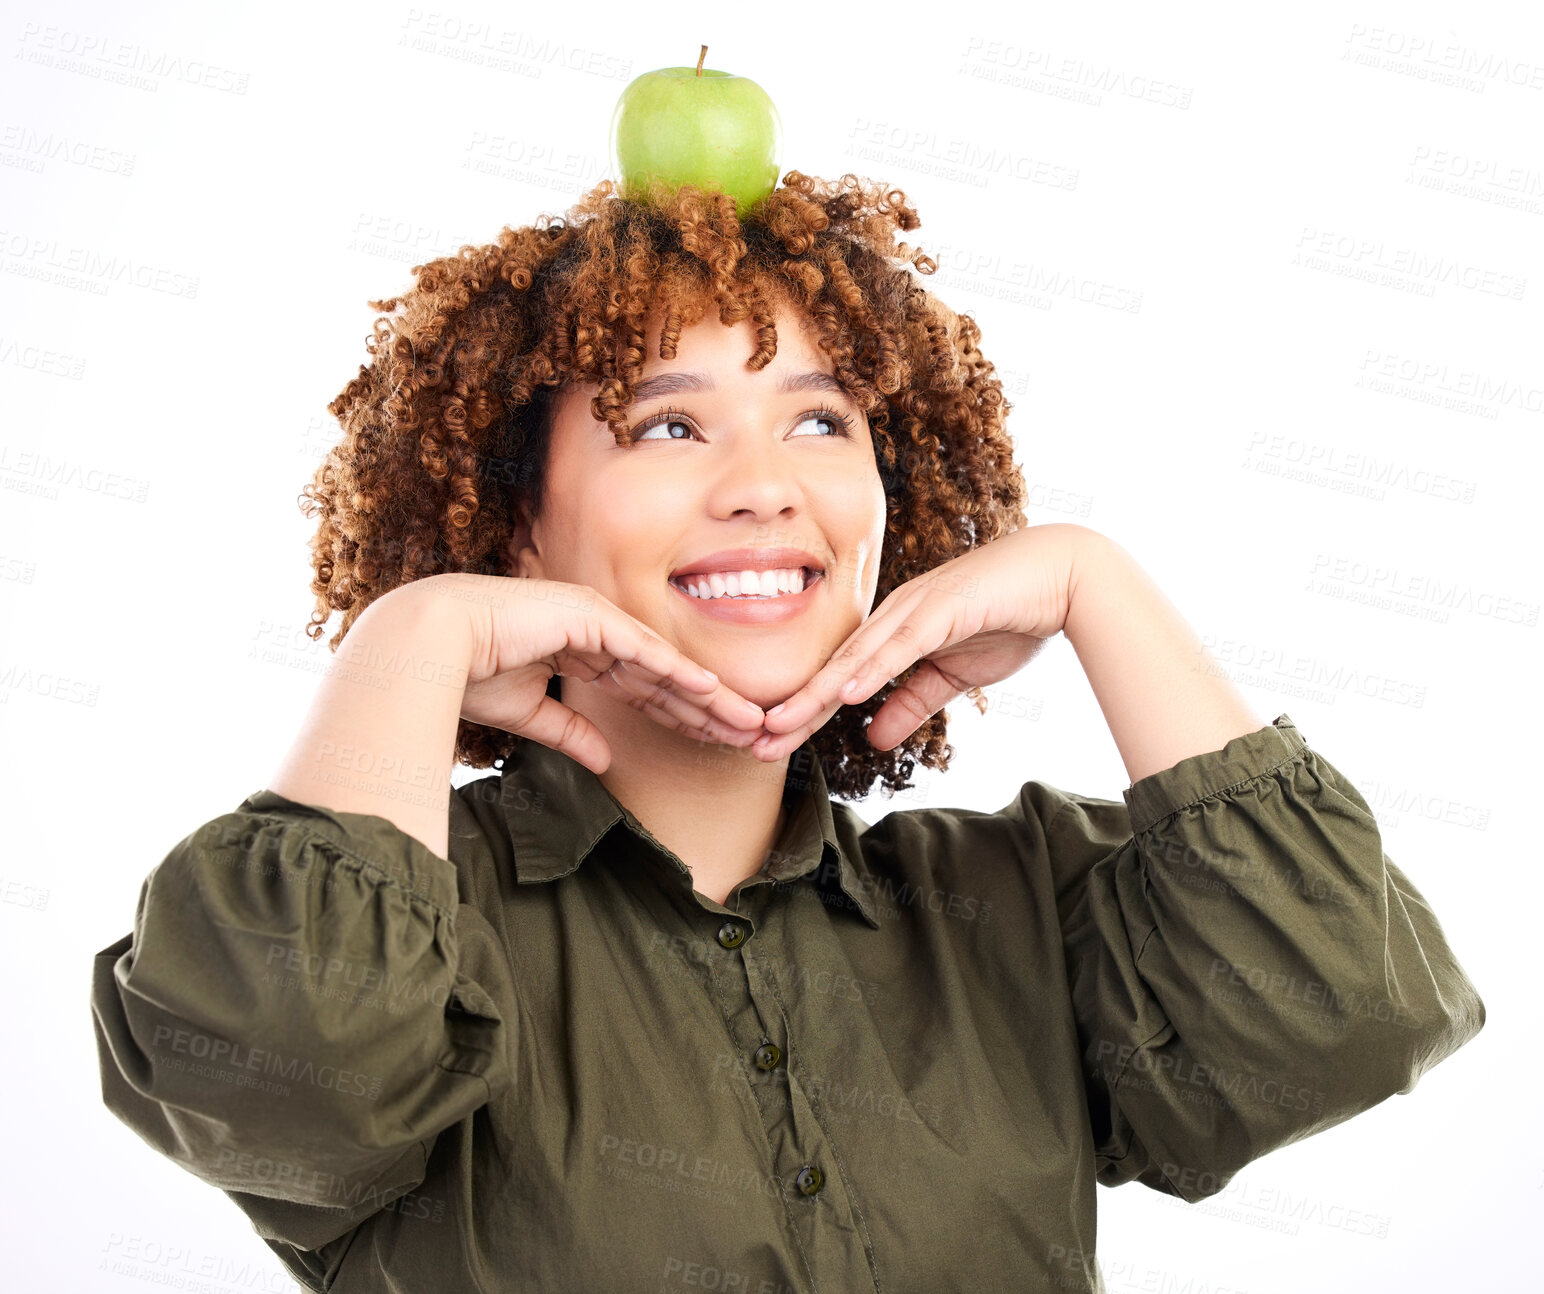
(836, 426)
(667, 425)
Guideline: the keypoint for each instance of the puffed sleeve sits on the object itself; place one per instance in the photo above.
(1247, 966)
(301, 1008)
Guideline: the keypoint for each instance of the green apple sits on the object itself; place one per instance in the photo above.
(694, 125)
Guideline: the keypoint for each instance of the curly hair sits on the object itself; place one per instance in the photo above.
(448, 426)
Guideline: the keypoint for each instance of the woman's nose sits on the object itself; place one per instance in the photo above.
(756, 473)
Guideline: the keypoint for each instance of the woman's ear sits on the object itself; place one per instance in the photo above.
(521, 560)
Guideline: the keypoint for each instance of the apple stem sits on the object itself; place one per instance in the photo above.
(700, 57)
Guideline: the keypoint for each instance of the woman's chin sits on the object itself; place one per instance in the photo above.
(764, 687)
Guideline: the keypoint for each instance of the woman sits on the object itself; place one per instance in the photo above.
(691, 527)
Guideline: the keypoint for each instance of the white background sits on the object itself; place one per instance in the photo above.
(1333, 257)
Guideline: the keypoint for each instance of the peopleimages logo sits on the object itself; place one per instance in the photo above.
(1271, 666)
(1423, 596)
(43, 258)
(1435, 382)
(1438, 59)
(1064, 77)
(1325, 463)
(1372, 259)
(231, 1061)
(103, 58)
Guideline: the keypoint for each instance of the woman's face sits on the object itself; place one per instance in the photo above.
(738, 463)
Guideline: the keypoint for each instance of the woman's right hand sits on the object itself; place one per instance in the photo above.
(526, 630)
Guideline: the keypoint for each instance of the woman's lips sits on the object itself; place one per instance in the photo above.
(753, 610)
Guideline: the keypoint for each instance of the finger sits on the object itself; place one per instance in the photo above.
(732, 711)
(852, 676)
(712, 732)
(819, 697)
(911, 705)
(553, 724)
(679, 714)
(630, 641)
(893, 657)
(774, 745)
(650, 658)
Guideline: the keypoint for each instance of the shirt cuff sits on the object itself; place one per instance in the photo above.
(1217, 772)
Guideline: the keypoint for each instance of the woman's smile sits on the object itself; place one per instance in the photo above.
(747, 583)
(778, 595)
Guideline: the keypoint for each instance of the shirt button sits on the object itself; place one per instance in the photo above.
(809, 1180)
(767, 1055)
(731, 934)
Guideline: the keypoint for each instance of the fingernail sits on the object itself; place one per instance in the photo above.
(776, 708)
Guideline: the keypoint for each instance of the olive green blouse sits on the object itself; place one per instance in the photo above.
(899, 1057)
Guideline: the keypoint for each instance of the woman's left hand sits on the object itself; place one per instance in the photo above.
(975, 620)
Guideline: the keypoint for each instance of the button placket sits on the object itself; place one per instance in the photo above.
(759, 1031)
(754, 1018)
(792, 1129)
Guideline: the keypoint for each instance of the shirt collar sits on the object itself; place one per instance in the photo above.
(558, 811)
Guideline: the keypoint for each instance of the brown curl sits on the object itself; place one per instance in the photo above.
(447, 426)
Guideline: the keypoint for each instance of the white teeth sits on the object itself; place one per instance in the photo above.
(742, 584)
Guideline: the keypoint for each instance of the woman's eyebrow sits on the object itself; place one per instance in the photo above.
(670, 383)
